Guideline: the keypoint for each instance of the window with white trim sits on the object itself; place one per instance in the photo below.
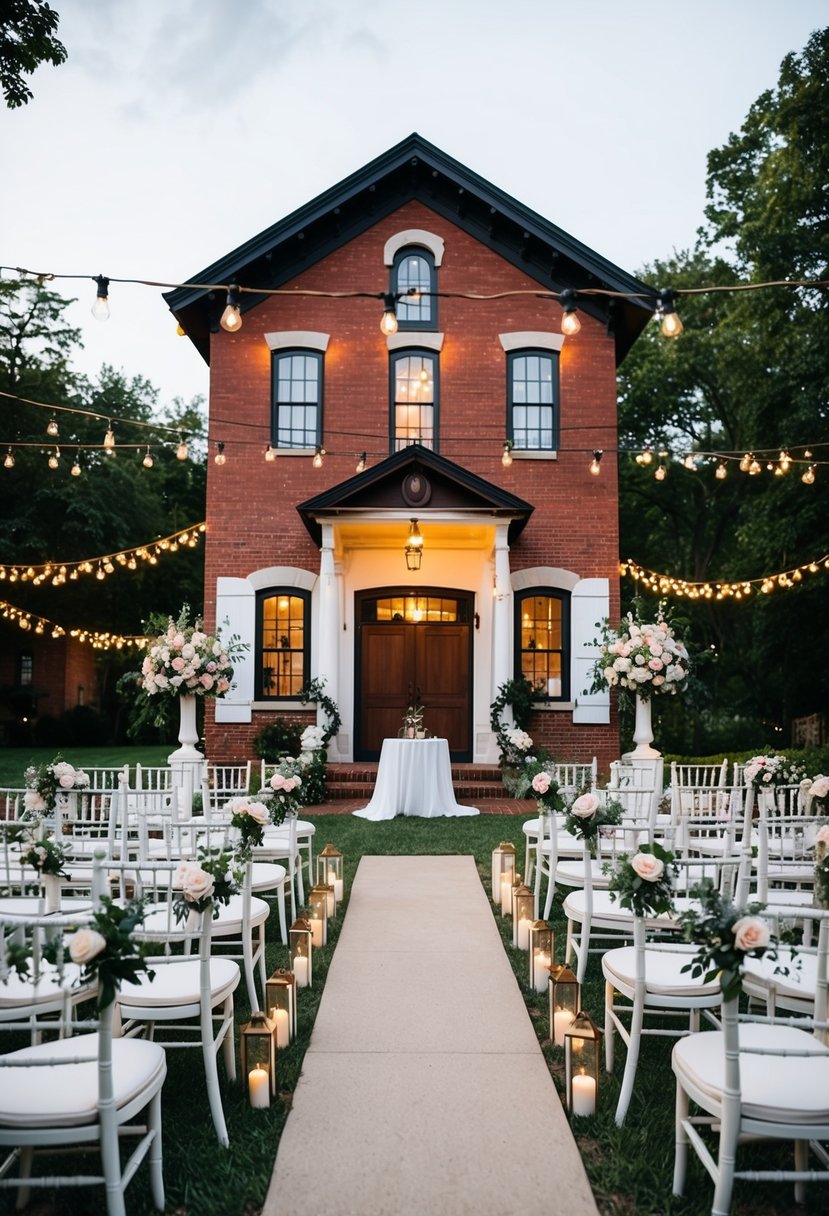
(542, 632)
(532, 400)
(283, 642)
(414, 389)
(414, 270)
(297, 399)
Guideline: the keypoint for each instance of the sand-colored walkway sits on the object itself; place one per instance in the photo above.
(424, 1089)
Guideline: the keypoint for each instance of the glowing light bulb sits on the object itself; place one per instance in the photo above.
(231, 318)
(270, 454)
(52, 428)
(220, 457)
(745, 463)
(8, 462)
(318, 455)
(76, 468)
(595, 463)
(182, 450)
(506, 458)
(388, 321)
(361, 464)
(808, 477)
(100, 309)
(721, 471)
(754, 468)
(54, 459)
(570, 323)
(148, 460)
(660, 472)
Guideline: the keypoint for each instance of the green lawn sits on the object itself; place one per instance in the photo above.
(630, 1168)
(15, 760)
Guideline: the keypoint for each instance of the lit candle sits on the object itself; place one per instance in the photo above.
(316, 930)
(506, 893)
(524, 933)
(541, 971)
(336, 883)
(584, 1095)
(301, 971)
(283, 1027)
(258, 1088)
(330, 902)
(562, 1020)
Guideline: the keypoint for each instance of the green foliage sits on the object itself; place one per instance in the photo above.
(121, 958)
(278, 739)
(715, 928)
(314, 690)
(27, 39)
(646, 888)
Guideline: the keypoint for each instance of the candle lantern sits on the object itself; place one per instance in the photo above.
(517, 882)
(330, 870)
(318, 914)
(565, 998)
(582, 1054)
(280, 1002)
(257, 1043)
(523, 902)
(301, 946)
(541, 949)
(503, 859)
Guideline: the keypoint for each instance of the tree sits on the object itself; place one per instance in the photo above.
(27, 39)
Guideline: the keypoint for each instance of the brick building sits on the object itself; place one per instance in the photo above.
(336, 437)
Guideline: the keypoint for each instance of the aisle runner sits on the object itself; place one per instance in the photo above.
(424, 1089)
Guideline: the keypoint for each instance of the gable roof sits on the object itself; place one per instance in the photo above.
(415, 169)
(446, 487)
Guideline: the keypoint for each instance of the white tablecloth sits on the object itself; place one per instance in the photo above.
(414, 777)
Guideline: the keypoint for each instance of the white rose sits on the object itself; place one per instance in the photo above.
(258, 812)
(585, 806)
(195, 882)
(84, 945)
(647, 866)
(751, 933)
(66, 781)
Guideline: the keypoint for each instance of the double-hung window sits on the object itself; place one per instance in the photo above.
(532, 400)
(283, 645)
(413, 270)
(542, 631)
(297, 399)
(414, 393)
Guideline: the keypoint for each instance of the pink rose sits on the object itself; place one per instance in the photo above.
(277, 782)
(257, 811)
(823, 835)
(195, 882)
(585, 806)
(206, 680)
(751, 933)
(647, 866)
(541, 782)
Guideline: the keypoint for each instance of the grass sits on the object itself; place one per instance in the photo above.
(15, 760)
(630, 1168)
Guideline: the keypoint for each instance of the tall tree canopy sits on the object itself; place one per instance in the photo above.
(749, 373)
(27, 39)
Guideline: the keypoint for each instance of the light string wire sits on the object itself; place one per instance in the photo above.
(668, 584)
(57, 573)
(95, 414)
(40, 625)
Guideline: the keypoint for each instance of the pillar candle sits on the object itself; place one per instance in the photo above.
(283, 1027)
(316, 931)
(541, 972)
(301, 971)
(584, 1095)
(506, 893)
(524, 933)
(562, 1019)
(258, 1090)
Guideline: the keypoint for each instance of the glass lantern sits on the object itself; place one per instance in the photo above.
(503, 862)
(301, 947)
(517, 882)
(257, 1044)
(582, 1055)
(541, 950)
(565, 998)
(330, 870)
(318, 914)
(280, 1002)
(523, 910)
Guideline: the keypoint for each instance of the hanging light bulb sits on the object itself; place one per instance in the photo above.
(318, 455)
(660, 472)
(148, 460)
(361, 464)
(8, 462)
(506, 458)
(270, 454)
(54, 459)
(721, 471)
(76, 468)
(754, 468)
(690, 462)
(745, 462)
(808, 477)
(666, 310)
(182, 450)
(570, 323)
(595, 463)
(388, 321)
(220, 457)
(645, 457)
(100, 309)
(109, 440)
(785, 461)
(52, 428)
(231, 318)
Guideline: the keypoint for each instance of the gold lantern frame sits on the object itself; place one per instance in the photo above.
(301, 949)
(582, 1065)
(542, 945)
(280, 993)
(565, 997)
(257, 1050)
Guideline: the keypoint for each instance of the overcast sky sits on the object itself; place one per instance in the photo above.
(178, 129)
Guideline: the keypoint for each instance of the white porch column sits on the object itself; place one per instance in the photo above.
(502, 613)
(329, 623)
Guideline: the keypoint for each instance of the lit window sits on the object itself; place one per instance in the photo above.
(542, 629)
(282, 643)
(414, 270)
(414, 399)
(26, 670)
(532, 405)
(297, 399)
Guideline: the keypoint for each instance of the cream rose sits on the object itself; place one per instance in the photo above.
(195, 882)
(84, 945)
(751, 933)
(647, 866)
(257, 811)
(585, 806)
(541, 782)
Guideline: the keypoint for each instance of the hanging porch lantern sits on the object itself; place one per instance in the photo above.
(523, 902)
(257, 1046)
(565, 998)
(318, 918)
(330, 870)
(301, 947)
(280, 1002)
(542, 946)
(582, 1056)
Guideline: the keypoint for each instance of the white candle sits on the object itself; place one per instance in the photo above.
(562, 1019)
(316, 931)
(541, 970)
(283, 1027)
(584, 1095)
(301, 971)
(336, 883)
(524, 933)
(506, 893)
(330, 902)
(258, 1088)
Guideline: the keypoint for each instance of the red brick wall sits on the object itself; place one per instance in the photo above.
(251, 516)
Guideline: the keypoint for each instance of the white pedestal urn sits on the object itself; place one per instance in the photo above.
(187, 761)
(643, 731)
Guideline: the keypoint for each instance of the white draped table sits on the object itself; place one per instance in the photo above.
(414, 777)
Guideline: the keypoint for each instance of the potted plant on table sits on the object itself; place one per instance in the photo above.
(413, 723)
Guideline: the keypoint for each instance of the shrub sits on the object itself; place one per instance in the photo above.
(278, 739)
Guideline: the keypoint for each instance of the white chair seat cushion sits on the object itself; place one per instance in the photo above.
(531, 827)
(267, 875)
(663, 971)
(17, 992)
(229, 919)
(607, 909)
(177, 983)
(67, 1094)
(571, 874)
(800, 982)
(775, 1089)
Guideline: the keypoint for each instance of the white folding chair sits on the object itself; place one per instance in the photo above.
(573, 778)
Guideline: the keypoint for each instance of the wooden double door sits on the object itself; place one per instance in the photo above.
(401, 662)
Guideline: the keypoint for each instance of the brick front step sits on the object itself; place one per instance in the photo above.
(471, 781)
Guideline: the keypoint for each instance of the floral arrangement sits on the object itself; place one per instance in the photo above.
(643, 883)
(185, 659)
(588, 814)
(280, 793)
(545, 790)
(206, 882)
(47, 856)
(413, 720)
(822, 867)
(645, 657)
(818, 792)
(765, 772)
(311, 740)
(249, 818)
(513, 742)
(46, 782)
(726, 936)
